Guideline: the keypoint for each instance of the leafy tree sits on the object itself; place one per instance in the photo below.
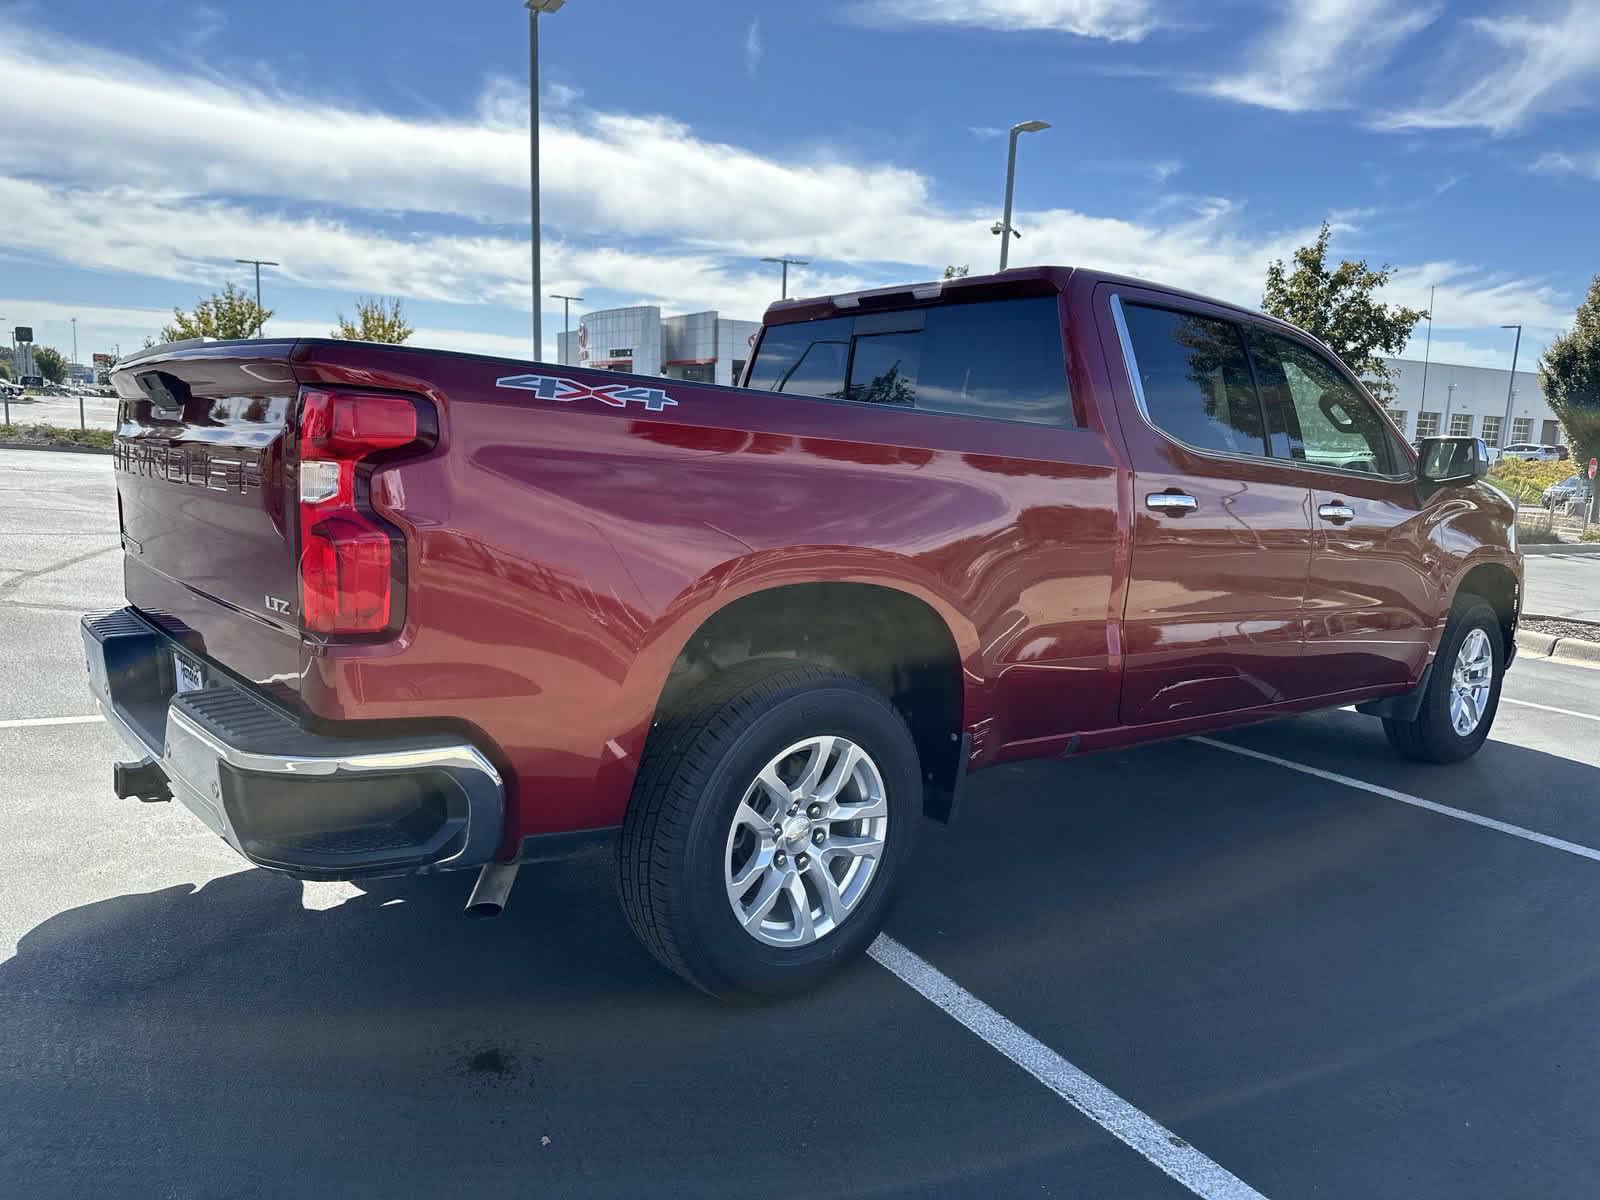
(52, 363)
(229, 313)
(954, 272)
(1569, 373)
(1340, 307)
(5, 367)
(376, 320)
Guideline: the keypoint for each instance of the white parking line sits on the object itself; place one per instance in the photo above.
(1092, 1098)
(1459, 814)
(32, 722)
(1565, 712)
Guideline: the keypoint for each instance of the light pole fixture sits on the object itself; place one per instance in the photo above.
(535, 7)
(258, 263)
(787, 263)
(566, 317)
(1003, 226)
(1511, 384)
(74, 341)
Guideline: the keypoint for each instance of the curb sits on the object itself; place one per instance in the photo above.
(1576, 651)
(1584, 548)
(54, 449)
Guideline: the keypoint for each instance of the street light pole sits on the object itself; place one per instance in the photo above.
(535, 7)
(1427, 352)
(1004, 227)
(74, 341)
(566, 318)
(1511, 384)
(787, 263)
(258, 263)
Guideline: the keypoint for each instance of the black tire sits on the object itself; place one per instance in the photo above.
(1431, 737)
(695, 770)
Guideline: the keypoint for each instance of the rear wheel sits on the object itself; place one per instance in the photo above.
(768, 824)
(1463, 691)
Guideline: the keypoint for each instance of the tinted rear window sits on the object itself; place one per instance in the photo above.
(997, 359)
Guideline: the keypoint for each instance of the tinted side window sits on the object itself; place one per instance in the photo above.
(998, 359)
(1196, 379)
(1336, 426)
(808, 358)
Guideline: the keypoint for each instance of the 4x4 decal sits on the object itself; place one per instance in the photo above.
(617, 395)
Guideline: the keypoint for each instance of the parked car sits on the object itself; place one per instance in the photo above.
(1532, 452)
(1574, 487)
(394, 610)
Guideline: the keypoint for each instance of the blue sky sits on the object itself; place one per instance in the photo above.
(144, 146)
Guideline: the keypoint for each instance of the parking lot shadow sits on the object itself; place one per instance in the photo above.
(227, 1040)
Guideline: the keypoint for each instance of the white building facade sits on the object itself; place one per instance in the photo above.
(1470, 402)
(705, 347)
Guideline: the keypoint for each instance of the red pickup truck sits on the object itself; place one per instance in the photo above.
(395, 610)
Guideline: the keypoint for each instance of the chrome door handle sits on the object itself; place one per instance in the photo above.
(1338, 512)
(1175, 503)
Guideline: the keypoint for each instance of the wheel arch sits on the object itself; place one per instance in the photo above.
(1498, 585)
(901, 640)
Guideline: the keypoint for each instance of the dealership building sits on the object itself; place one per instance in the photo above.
(1470, 401)
(704, 347)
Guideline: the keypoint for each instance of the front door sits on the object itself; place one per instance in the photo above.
(1369, 606)
(1221, 527)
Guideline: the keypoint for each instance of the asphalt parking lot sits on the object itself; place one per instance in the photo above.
(1283, 954)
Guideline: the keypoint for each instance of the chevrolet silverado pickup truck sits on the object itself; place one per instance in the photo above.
(398, 611)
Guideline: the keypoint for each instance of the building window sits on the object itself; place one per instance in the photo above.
(1521, 429)
(1460, 424)
(1491, 430)
(1427, 424)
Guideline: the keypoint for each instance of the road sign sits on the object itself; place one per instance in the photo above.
(1594, 464)
(24, 333)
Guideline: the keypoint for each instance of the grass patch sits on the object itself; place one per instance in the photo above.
(56, 435)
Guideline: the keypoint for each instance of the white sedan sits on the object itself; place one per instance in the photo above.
(1531, 452)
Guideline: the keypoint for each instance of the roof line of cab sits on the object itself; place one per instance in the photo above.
(1019, 281)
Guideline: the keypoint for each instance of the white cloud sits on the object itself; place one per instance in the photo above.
(1514, 68)
(172, 180)
(1111, 20)
(1312, 57)
(1561, 162)
(1452, 352)
(752, 47)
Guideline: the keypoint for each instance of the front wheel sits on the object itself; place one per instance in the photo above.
(768, 824)
(1463, 691)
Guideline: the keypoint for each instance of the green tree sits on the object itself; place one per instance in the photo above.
(229, 313)
(955, 272)
(1340, 307)
(52, 363)
(1569, 373)
(5, 367)
(377, 320)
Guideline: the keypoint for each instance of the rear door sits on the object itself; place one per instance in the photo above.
(1370, 604)
(1221, 530)
(206, 519)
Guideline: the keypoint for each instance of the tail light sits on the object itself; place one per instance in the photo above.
(351, 560)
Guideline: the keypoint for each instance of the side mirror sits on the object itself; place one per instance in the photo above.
(1453, 460)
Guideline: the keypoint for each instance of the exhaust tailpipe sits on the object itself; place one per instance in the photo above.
(489, 894)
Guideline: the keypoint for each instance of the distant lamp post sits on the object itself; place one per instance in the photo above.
(535, 7)
(258, 264)
(566, 317)
(1003, 226)
(787, 263)
(1511, 384)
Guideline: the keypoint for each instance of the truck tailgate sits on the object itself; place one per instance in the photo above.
(207, 519)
